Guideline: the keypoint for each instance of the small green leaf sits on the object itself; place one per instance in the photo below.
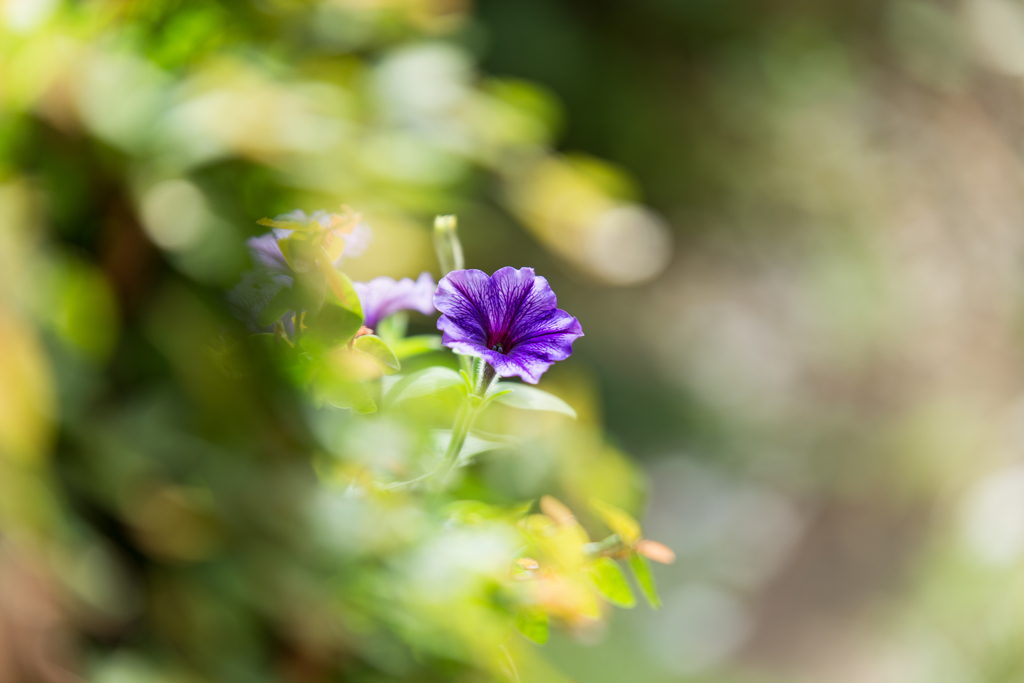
(290, 225)
(422, 383)
(299, 250)
(332, 325)
(531, 398)
(281, 303)
(642, 573)
(392, 328)
(416, 345)
(468, 512)
(532, 623)
(374, 346)
(310, 290)
(474, 445)
(351, 395)
(619, 521)
(607, 577)
(494, 396)
(343, 293)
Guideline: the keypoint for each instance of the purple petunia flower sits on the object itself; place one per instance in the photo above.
(382, 296)
(509, 319)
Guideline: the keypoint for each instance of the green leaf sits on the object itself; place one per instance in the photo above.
(607, 577)
(422, 383)
(467, 512)
(281, 303)
(531, 398)
(532, 622)
(332, 325)
(473, 445)
(467, 380)
(342, 291)
(350, 395)
(299, 250)
(374, 346)
(309, 226)
(392, 328)
(414, 346)
(642, 573)
(619, 521)
(310, 290)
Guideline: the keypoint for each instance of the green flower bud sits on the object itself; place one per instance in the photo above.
(447, 245)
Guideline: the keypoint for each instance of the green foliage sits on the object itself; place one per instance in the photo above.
(619, 521)
(343, 294)
(329, 326)
(608, 579)
(530, 398)
(533, 624)
(281, 303)
(642, 573)
(375, 348)
(422, 383)
(285, 495)
(416, 345)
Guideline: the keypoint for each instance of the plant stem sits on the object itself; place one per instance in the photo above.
(464, 422)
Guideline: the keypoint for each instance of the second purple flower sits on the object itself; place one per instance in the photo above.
(383, 296)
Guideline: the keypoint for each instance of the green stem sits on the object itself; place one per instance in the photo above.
(464, 422)
(460, 430)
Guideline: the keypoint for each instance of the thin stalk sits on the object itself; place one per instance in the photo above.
(464, 422)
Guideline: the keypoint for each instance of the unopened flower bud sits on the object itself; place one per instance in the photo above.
(447, 245)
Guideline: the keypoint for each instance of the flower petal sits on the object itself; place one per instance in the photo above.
(383, 296)
(550, 343)
(462, 297)
(266, 254)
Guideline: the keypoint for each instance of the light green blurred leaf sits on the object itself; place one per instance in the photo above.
(392, 328)
(619, 521)
(532, 623)
(472, 512)
(607, 577)
(416, 345)
(531, 398)
(344, 294)
(299, 250)
(474, 445)
(422, 383)
(642, 573)
(308, 226)
(81, 307)
(348, 395)
(330, 326)
(374, 346)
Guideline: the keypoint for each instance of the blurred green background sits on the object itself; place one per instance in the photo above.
(792, 232)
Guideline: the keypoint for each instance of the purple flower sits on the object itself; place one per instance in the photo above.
(266, 253)
(257, 287)
(509, 319)
(382, 296)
